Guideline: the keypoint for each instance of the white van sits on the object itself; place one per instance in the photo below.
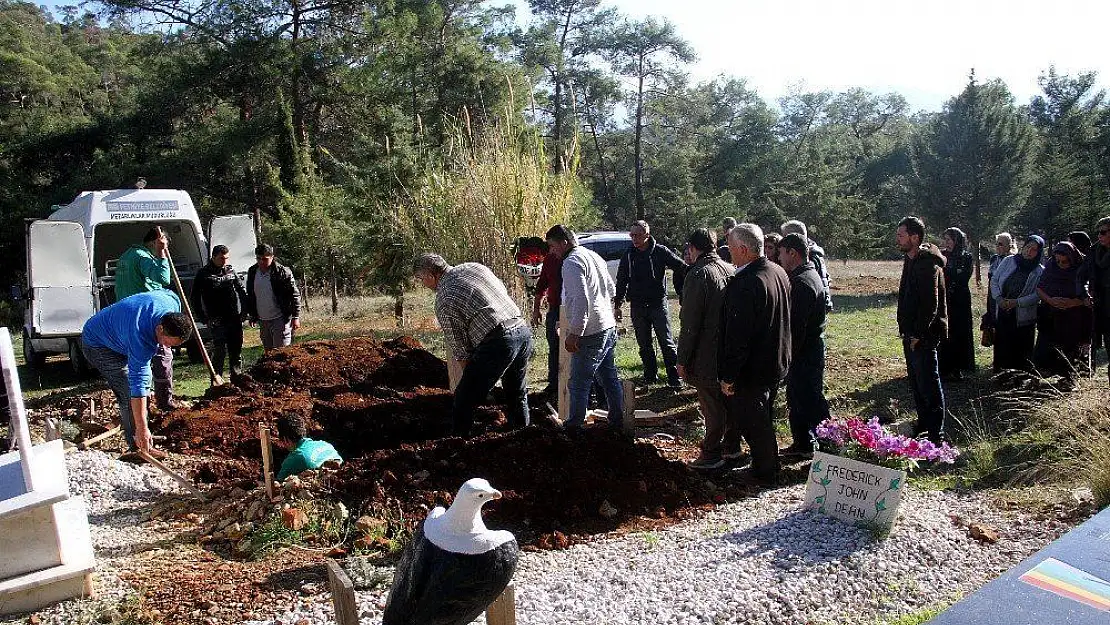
(72, 256)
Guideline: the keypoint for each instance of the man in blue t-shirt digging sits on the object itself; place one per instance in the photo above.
(307, 453)
(119, 341)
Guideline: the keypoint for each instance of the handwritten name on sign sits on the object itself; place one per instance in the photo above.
(856, 492)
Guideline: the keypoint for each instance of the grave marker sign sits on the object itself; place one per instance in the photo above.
(863, 494)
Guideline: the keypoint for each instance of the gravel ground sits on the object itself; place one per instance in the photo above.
(763, 561)
(114, 492)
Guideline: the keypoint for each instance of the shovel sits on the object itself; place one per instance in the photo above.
(215, 378)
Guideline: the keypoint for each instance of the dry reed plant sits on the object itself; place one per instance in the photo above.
(490, 188)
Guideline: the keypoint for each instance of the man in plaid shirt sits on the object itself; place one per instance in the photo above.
(485, 333)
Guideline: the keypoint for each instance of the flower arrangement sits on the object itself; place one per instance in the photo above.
(869, 441)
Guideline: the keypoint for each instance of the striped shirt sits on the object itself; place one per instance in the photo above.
(470, 303)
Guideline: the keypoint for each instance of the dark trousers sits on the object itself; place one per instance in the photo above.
(502, 355)
(1013, 345)
(805, 392)
(113, 366)
(750, 408)
(228, 340)
(645, 319)
(722, 434)
(161, 369)
(928, 394)
(551, 326)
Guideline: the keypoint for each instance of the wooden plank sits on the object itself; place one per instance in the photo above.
(99, 437)
(454, 372)
(564, 367)
(267, 459)
(342, 594)
(629, 421)
(177, 477)
(503, 609)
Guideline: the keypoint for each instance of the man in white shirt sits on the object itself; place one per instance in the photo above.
(591, 339)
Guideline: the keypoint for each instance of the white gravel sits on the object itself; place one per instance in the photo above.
(762, 561)
(114, 494)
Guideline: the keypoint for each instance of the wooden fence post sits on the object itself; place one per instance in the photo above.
(629, 421)
(342, 594)
(503, 610)
(564, 367)
(267, 460)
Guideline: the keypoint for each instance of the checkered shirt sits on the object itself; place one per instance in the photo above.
(470, 303)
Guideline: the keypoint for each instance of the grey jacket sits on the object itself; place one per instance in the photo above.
(1027, 302)
(700, 317)
(588, 291)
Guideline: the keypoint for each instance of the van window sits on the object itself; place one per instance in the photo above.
(608, 250)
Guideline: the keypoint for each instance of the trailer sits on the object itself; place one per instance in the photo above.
(72, 257)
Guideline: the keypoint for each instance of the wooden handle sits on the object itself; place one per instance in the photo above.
(99, 437)
(177, 477)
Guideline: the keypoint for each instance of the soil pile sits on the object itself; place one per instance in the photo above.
(557, 487)
(360, 394)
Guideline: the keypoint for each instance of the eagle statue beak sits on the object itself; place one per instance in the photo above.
(495, 494)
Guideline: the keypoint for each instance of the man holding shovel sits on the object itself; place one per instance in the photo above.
(120, 341)
(142, 269)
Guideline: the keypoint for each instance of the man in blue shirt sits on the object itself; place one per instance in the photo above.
(120, 340)
(307, 453)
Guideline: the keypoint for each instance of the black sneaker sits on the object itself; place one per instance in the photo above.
(707, 463)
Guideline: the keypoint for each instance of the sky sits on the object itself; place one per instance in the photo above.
(923, 49)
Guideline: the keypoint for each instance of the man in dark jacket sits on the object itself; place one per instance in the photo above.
(754, 353)
(219, 300)
(805, 383)
(703, 292)
(1100, 284)
(641, 277)
(273, 300)
(922, 322)
(816, 256)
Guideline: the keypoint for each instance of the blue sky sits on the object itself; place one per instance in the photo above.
(923, 50)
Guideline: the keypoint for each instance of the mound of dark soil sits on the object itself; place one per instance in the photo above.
(359, 363)
(557, 487)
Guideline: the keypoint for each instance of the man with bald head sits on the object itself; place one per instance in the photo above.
(754, 354)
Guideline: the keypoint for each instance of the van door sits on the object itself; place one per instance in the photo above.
(61, 296)
(237, 233)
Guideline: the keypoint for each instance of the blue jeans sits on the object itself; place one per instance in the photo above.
(552, 329)
(502, 355)
(594, 361)
(113, 366)
(928, 395)
(805, 392)
(646, 318)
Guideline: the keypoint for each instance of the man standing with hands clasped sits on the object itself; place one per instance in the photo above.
(754, 353)
(273, 300)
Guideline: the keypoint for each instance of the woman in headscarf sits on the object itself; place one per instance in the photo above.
(1014, 296)
(957, 353)
(1066, 309)
(1004, 247)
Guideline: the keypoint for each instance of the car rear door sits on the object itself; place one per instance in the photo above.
(61, 293)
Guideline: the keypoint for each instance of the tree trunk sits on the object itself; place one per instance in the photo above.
(304, 289)
(600, 159)
(399, 308)
(557, 129)
(334, 284)
(638, 152)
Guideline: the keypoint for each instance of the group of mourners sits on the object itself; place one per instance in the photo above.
(752, 320)
(1045, 312)
(752, 317)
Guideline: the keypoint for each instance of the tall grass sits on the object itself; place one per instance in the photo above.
(488, 188)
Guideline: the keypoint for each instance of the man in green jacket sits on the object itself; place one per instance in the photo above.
(142, 269)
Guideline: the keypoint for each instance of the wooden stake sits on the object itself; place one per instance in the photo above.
(629, 422)
(99, 437)
(342, 594)
(177, 477)
(454, 372)
(503, 610)
(564, 367)
(267, 460)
